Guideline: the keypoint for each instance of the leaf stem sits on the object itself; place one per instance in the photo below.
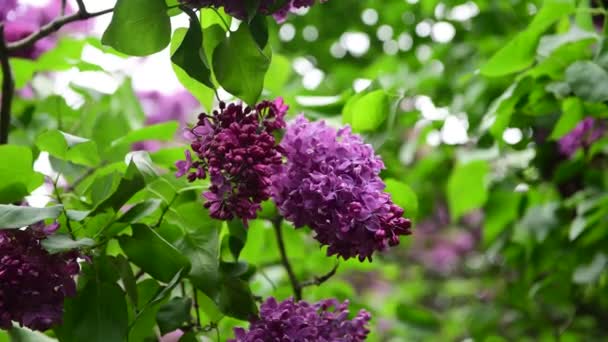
(196, 307)
(8, 88)
(297, 289)
(65, 212)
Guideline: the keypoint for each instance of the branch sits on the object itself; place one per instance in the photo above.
(53, 27)
(320, 280)
(81, 7)
(8, 89)
(297, 289)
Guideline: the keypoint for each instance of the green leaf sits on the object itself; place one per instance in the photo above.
(240, 65)
(518, 53)
(467, 188)
(153, 254)
(190, 55)
(57, 243)
(140, 210)
(164, 131)
(501, 209)
(69, 147)
(550, 43)
(538, 220)
(17, 178)
(237, 237)
(498, 117)
(200, 244)
(174, 314)
(368, 112)
(588, 81)
(143, 324)
(19, 334)
(139, 27)
(128, 278)
(403, 196)
(202, 93)
(15, 216)
(236, 299)
(417, 316)
(129, 185)
(587, 274)
(97, 314)
(259, 30)
(583, 16)
(572, 114)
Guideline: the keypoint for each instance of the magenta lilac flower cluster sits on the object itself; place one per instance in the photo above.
(23, 20)
(238, 8)
(33, 283)
(235, 146)
(583, 135)
(331, 183)
(290, 321)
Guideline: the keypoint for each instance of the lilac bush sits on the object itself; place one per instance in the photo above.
(238, 8)
(235, 146)
(583, 135)
(331, 183)
(325, 321)
(33, 283)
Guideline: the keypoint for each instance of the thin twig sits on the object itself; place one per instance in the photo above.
(81, 6)
(164, 212)
(320, 280)
(8, 89)
(196, 307)
(82, 177)
(297, 289)
(64, 4)
(53, 27)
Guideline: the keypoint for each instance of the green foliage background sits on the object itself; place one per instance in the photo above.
(537, 270)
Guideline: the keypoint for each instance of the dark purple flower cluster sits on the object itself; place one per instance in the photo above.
(291, 321)
(33, 283)
(331, 183)
(235, 146)
(583, 135)
(238, 8)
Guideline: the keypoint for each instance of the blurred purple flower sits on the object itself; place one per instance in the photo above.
(238, 8)
(173, 336)
(236, 147)
(442, 250)
(23, 20)
(33, 283)
(583, 135)
(159, 108)
(331, 183)
(290, 321)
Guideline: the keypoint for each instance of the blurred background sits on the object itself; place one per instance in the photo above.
(510, 232)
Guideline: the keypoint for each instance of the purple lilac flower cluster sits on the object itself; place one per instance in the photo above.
(583, 135)
(236, 147)
(238, 8)
(331, 183)
(33, 283)
(23, 20)
(300, 321)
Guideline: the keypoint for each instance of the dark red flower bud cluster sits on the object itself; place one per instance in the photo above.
(33, 282)
(236, 148)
